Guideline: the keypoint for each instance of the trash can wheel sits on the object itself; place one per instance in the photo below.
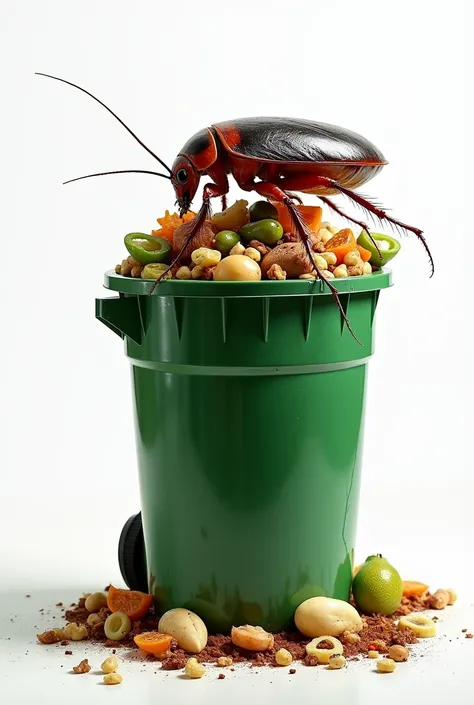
(131, 554)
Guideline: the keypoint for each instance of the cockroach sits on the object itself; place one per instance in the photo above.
(285, 155)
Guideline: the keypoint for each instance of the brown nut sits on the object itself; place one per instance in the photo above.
(398, 653)
(439, 600)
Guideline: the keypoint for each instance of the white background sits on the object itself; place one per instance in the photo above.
(394, 72)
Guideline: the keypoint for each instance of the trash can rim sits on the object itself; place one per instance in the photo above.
(294, 287)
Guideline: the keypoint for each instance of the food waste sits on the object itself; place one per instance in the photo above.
(251, 243)
(327, 632)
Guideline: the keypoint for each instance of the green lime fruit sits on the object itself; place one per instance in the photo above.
(226, 240)
(377, 587)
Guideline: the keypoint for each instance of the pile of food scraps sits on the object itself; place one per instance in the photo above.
(245, 243)
(327, 631)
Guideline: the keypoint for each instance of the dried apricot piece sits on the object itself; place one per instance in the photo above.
(252, 638)
(413, 588)
(342, 243)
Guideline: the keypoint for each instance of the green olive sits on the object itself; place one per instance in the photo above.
(268, 231)
(225, 241)
(117, 626)
(261, 210)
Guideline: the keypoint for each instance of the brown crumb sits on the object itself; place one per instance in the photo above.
(311, 660)
(221, 676)
(292, 671)
(469, 636)
(64, 642)
(464, 631)
(59, 604)
(68, 653)
(83, 667)
(27, 595)
(52, 636)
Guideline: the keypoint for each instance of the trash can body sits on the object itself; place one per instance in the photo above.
(249, 415)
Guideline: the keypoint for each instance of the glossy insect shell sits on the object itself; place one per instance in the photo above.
(287, 146)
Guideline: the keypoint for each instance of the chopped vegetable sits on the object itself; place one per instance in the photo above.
(169, 223)
(365, 255)
(388, 246)
(153, 642)
(155, 270)
(412, 588)
(262, 210)
(323, 655)
(341, 244)
(311, 214)
(117, 626)
(146, 249)
(133, 603)
(267, 231)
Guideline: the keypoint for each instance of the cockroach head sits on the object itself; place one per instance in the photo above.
(185, 179)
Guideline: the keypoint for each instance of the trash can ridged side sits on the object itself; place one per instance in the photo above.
(249, 416)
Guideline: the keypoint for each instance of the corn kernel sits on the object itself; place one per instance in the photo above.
(367, 268)
(238, 249)
(183, 273)
(337, 661)
(320, 262)
(341, 272)
(373, 654)
(194, 669)
(386, 665)
(113, 679)
(253, 254)
(110, 665)
(283, 657)
(352, 257)
(330, 257)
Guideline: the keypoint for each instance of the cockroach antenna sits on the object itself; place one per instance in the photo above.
(62, 80)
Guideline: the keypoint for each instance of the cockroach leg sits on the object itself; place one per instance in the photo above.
(382, 216)
(305, 237)
(274, 192)
(201, 217)
(362, 225)
(312, 183)
(224, 202)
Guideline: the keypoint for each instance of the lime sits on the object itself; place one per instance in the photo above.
(225, 241)
(377, 587)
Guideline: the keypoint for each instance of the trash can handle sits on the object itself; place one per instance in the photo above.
(123, 315)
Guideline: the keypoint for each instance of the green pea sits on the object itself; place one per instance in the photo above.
(225, 241)
(268, 231)
(261, 210)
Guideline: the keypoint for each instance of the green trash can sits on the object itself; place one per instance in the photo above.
(248, 402)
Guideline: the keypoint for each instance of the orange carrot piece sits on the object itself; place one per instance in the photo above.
(170, 222)
(153, 642)
(412, 588)
(311, 214)
(133, 603)
(365, 255)
(342, 243)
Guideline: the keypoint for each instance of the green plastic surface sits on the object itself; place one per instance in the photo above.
(249, 413)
